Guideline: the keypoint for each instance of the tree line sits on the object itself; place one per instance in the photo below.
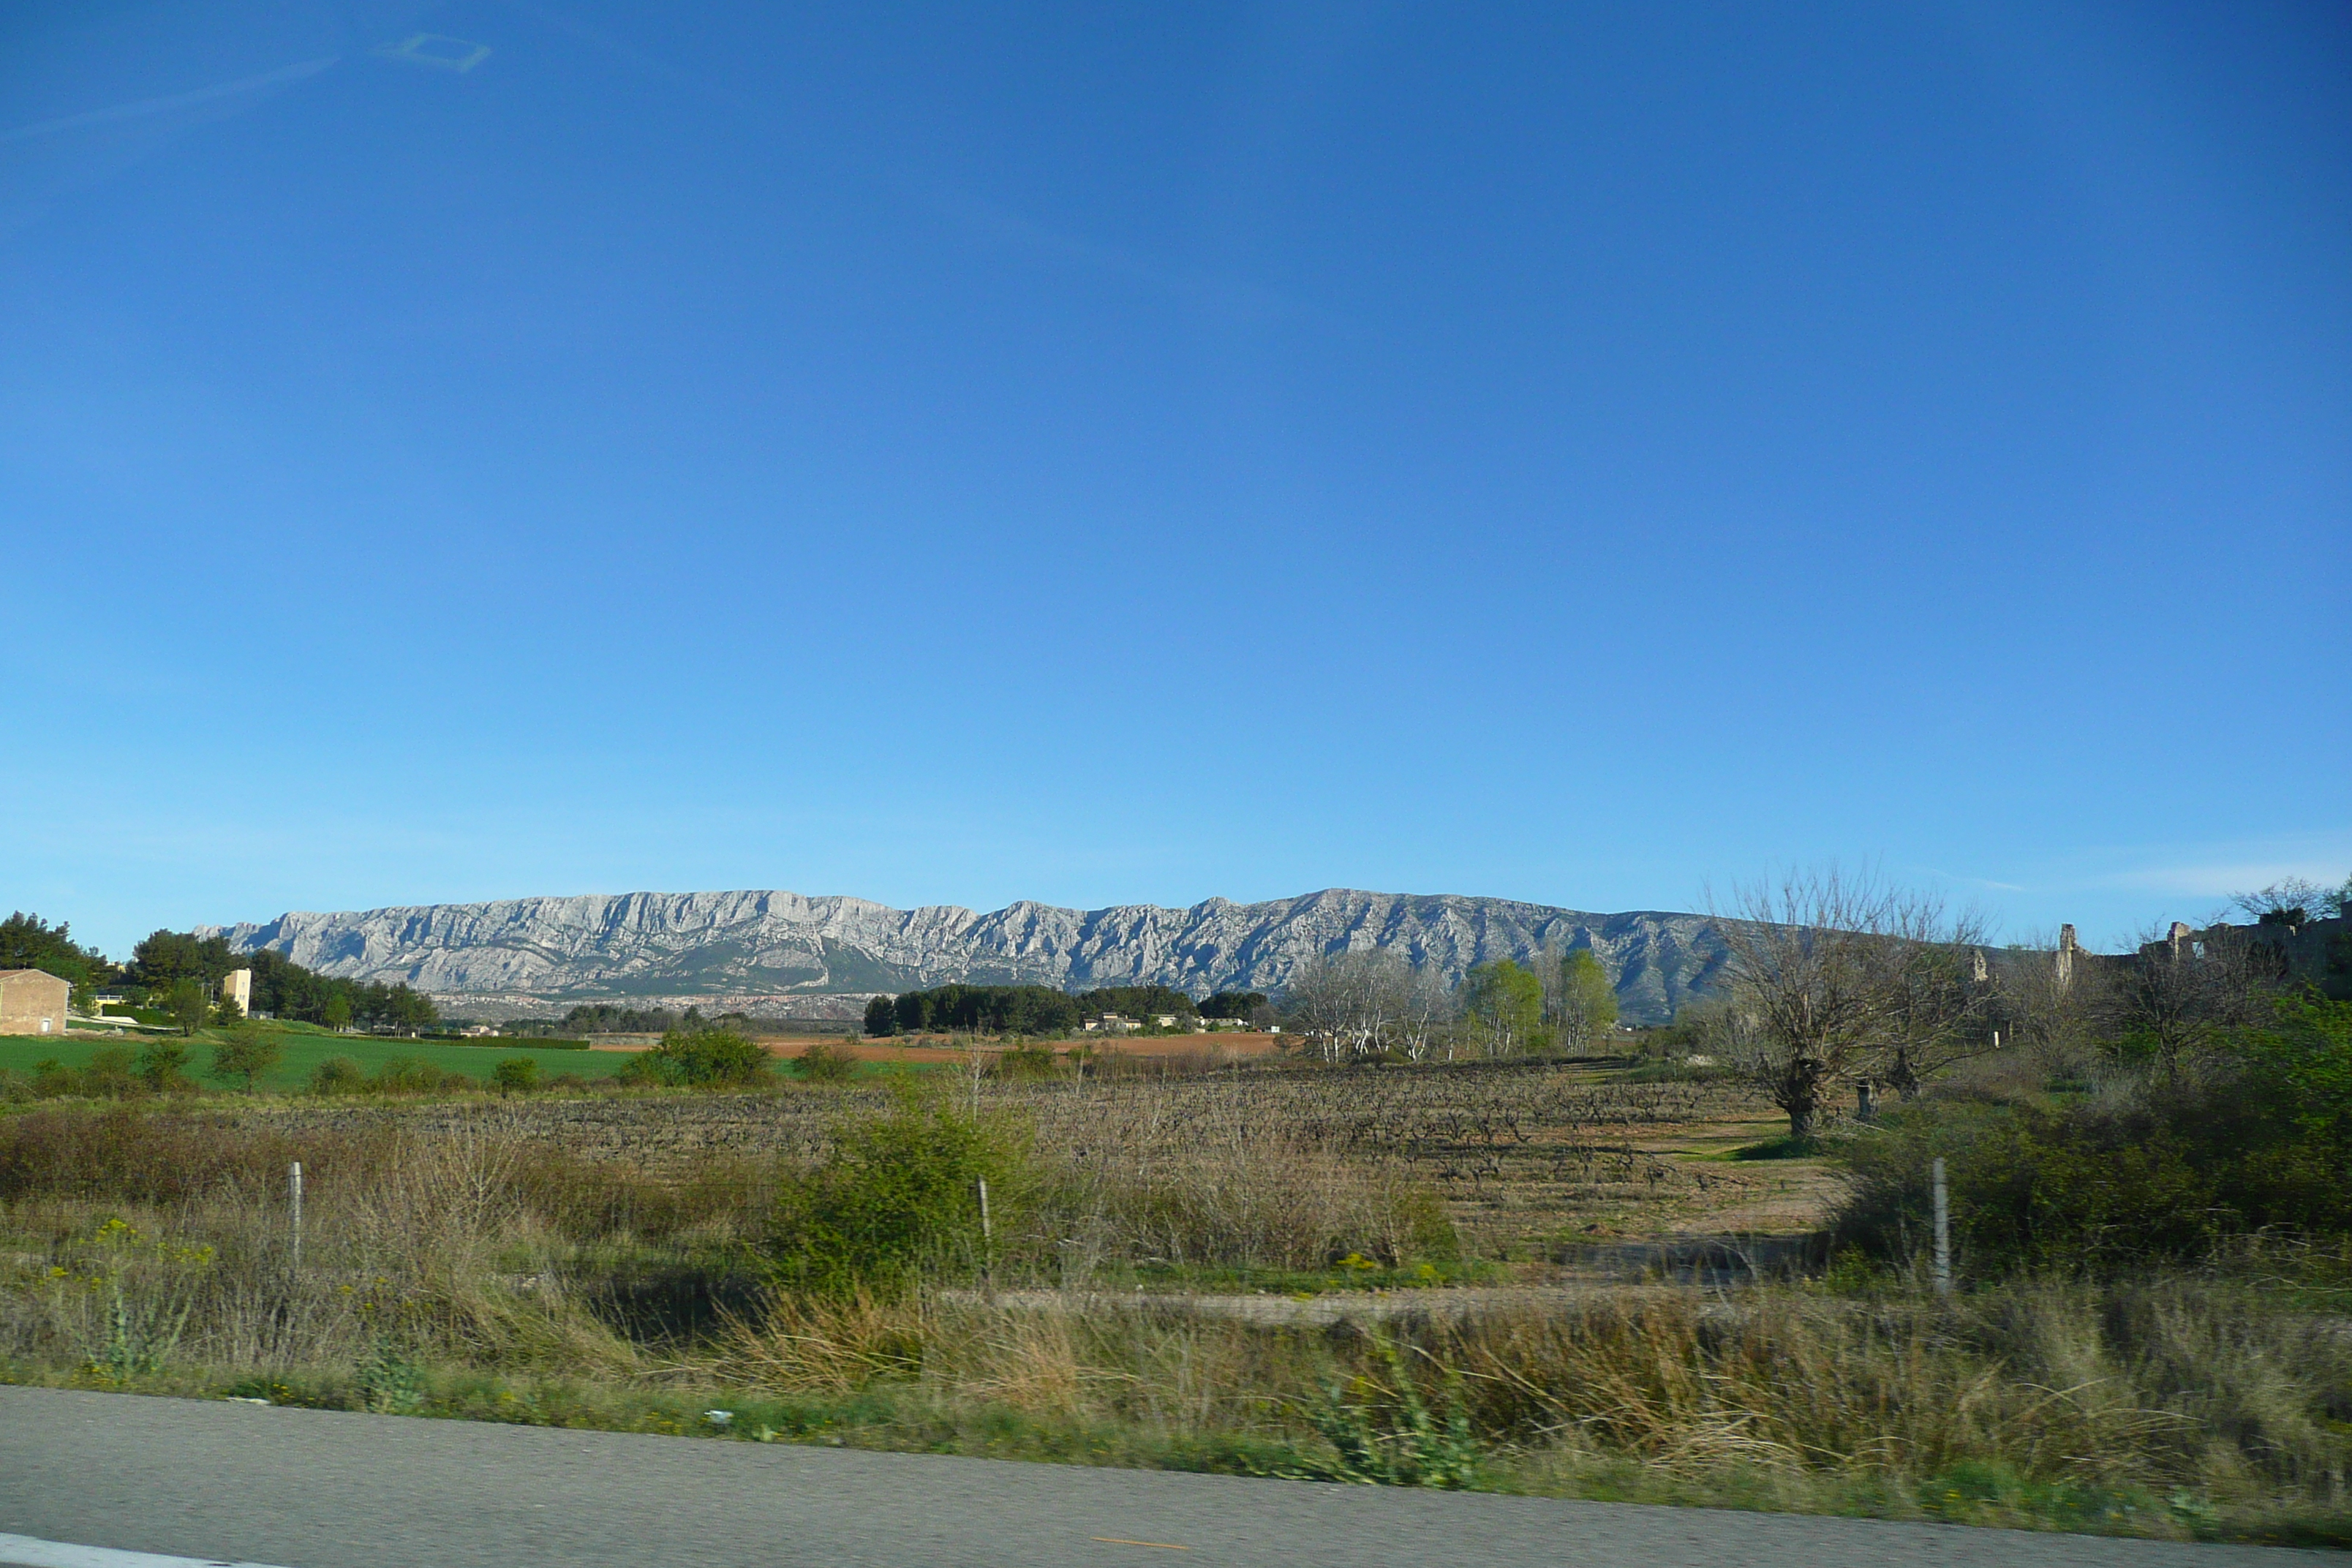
(28, 942)
(1368, 1004)
(169, 965)
(1041, 1009)
(1343, 1005)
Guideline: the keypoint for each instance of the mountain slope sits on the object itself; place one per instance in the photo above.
(780, 953)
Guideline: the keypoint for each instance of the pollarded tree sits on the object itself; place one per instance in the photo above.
(1805, 977)
(1839, 980)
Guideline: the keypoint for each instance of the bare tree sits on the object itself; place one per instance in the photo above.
(2184, 989)
(1839, 980)
(2051, 1003)
(1352, 1002)
(1424, 1015)
(1937, 1003)
(1806, 983)
(2294, 902)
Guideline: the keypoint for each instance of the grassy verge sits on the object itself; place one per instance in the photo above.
(465, 1270)
(1011, 1403)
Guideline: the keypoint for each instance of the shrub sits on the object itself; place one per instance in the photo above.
(515, 1075)
(2173, 1171)
(826, 1064)
(1022, 1062)
(164, 1066)
(108, 1073)
(127, 1156)
(898, 1197)
(408, 1075)
(245, 1053)
(338, 1075)
(702, 1059)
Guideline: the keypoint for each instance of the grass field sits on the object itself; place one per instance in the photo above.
(306, 1047)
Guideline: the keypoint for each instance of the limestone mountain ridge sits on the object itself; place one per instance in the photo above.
(786, 954)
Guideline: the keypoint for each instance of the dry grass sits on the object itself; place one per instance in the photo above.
(2083, 1396)
(508, 1279)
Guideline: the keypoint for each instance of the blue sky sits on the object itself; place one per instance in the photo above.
(1130, 453)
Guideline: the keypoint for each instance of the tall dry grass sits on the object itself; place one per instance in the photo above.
(472, 1250)
(2160, 1385)
(462, 1245)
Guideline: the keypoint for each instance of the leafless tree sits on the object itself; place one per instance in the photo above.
(1354, 1003)
(1805, 985)
(1937, 1003)
(2052, 1006)
(2184, 989)
(2294, 901)
(1837, 979)
(1425, 1014)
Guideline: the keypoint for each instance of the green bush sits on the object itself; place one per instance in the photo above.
(163, 1065)
(2259, 1141)
(700, 1058)
(245, 1053)
(515, 1075)
(826, 1064)
(338, 1075)
(899, 1199)
(1022, 1062)
(408, 1075)
(110, 1074)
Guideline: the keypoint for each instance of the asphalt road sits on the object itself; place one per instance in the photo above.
(314, 1489)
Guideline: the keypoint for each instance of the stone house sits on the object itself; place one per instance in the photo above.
(32, 1003)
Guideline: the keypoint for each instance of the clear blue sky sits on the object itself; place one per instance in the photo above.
(1133, 453)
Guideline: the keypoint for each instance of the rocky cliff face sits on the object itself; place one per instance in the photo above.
(780, 954)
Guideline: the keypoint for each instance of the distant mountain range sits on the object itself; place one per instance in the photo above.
(781, 954)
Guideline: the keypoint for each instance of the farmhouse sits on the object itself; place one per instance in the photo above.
(32, 1003)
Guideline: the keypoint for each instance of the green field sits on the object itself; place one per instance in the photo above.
(307, 1047)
